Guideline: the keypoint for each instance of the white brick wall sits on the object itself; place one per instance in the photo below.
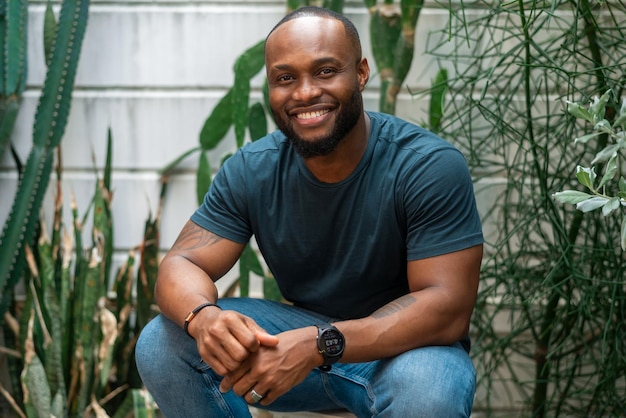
(152, 72)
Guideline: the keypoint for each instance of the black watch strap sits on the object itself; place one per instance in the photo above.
(330, 344)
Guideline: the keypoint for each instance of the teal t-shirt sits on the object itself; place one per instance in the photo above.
(341, 249)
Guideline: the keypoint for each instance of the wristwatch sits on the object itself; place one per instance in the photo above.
(330, 344)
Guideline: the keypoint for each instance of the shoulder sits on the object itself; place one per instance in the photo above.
(410, 145)
(261, 153)
(403, 135)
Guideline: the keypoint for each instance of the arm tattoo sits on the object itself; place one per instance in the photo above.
(192, 236)
(394, 306)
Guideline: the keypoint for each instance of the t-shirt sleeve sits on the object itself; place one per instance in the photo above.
(224, 208)
(440, 206)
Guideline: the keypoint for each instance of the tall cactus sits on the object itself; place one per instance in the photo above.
(13, 29)
(392, 30)
(50, 121)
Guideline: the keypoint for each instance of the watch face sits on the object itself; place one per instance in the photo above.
(333, 342)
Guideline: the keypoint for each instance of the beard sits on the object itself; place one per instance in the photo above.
(325, 144)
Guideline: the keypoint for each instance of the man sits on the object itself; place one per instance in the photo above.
(369, 226)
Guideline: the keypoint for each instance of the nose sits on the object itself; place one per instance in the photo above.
(306, 90)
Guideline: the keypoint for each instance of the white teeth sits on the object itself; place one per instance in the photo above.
(310, 115)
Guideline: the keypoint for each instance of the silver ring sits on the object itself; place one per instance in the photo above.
(255, 396)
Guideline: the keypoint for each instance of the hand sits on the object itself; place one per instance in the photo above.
(226, 339)
(273, 370)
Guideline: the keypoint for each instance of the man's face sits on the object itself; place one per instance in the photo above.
(315, 82)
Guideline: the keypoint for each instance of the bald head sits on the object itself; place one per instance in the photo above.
(310, 11)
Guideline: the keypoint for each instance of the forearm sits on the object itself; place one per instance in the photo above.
(181, 286)
(427, 317)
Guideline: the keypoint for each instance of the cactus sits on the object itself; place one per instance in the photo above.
(13, 29)
(392, 30)
(50, 120)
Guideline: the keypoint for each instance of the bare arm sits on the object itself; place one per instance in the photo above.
(188, 271)
(436, 312)
(186, 280)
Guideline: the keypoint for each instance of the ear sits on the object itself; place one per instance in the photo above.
(363, 71)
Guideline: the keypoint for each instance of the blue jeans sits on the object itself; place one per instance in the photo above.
(425, 382)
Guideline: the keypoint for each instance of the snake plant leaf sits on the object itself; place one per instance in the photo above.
(148, 270)
(37, 396)
(52, 312)
(143, 404)
(169, 167)
(257, 124)
(109, 335)
(203, 177)
(217, 124)
(49, 30)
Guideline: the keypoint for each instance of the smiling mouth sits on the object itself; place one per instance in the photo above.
(311, 115)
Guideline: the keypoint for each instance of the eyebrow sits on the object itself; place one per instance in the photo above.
(317, 62)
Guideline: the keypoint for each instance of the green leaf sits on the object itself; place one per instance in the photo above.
(178, 160)
(623, 234)
(578, 111)
(592, 204)
(610, 206)
(437, 100)
(621, 118)
(203, 177)
(143, 404)
(607, 153)
(250, 62)
(571, 196)
(598, 106)
(257, 122)
(251, 261)
(271, 290)
(609, 171)
(241, 98)
(586, 176)
(217, 124)
(622, 184)
(585, 138)
(604, 126)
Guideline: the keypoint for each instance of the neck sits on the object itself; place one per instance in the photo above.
(342, 161)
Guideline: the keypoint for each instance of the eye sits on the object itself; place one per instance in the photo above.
(284, 78)
(327, 71)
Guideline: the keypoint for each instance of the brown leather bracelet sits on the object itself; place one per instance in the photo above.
(191, 315)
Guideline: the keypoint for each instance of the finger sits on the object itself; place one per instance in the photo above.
(266, 339)
(254, 395)
(232, 378)
(262, 336)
